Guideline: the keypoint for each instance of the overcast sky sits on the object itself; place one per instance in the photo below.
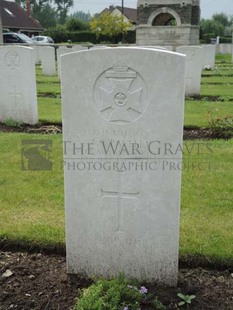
(208, 7)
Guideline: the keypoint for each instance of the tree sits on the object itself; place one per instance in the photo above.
(74, 24)
(222, 19)
(211, 27)
(42, 9)
(46, 15)
(85, 17)
(62, 7)
(109, 25)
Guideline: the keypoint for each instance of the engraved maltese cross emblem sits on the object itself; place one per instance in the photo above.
(120, 94)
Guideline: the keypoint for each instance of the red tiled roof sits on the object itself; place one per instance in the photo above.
(130, 13)
(13, 16)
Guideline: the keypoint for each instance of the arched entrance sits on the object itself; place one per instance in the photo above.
(164, 17)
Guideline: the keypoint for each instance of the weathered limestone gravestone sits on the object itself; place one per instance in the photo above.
(194, 65)
(168, 22)
(122, 187)
(48, 60)
(79, 48)
(209, 52)
(224, 48)
(18, 99)
(62, 50)
(38, 53)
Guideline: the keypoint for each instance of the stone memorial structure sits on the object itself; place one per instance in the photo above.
(18, 100)
(194, 65)
(123, 128)
(48, 60)
(168, 22)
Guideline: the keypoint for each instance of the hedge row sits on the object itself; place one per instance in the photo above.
(206, 38)
(60, 35)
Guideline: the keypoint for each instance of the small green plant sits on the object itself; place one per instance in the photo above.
(186, 300)
(116, 294)
(158, 305)
(221, 126)
(12, 123)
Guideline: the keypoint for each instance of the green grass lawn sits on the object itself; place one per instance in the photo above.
(32, 203)
(214, 83)
(197, 113)
(225, 90)
(49, 110)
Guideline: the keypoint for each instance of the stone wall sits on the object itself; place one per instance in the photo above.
(187, 16)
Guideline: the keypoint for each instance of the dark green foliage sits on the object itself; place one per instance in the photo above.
(85, 17)
(226, 40)
(110, 295)
(58, 33)
(61, 34)
(49, 12)
(209, 26)
(223, 19)
(46, 15)
(221, 126)
(117, 294)
(74, 24)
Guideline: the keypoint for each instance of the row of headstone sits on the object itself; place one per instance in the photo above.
(122, 194)
(18, 100)
(66, 50)
(224, 48)
(48, 61)
(194, 65)
(197, 58)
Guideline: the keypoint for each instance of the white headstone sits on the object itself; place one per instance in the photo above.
(18, 100)
(209, 52)
(225, 48)
(122, 189)
(194, 65)
(36, 54)
(95, 47)
(170, 47)
(62, 50)
(48, 60)
(79, 48)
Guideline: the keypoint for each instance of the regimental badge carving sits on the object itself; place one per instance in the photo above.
(12, 60)
(120, 94)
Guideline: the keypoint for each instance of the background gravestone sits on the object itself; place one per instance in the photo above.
(48, 60)
(62, 50)
(122, 194)
(209, 53)
(194, 65)
(18, 100)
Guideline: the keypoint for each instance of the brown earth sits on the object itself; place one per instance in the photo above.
(39, 282)
(189, 134)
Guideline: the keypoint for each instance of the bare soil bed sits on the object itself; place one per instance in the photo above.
(189, 134)
(38, 281)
